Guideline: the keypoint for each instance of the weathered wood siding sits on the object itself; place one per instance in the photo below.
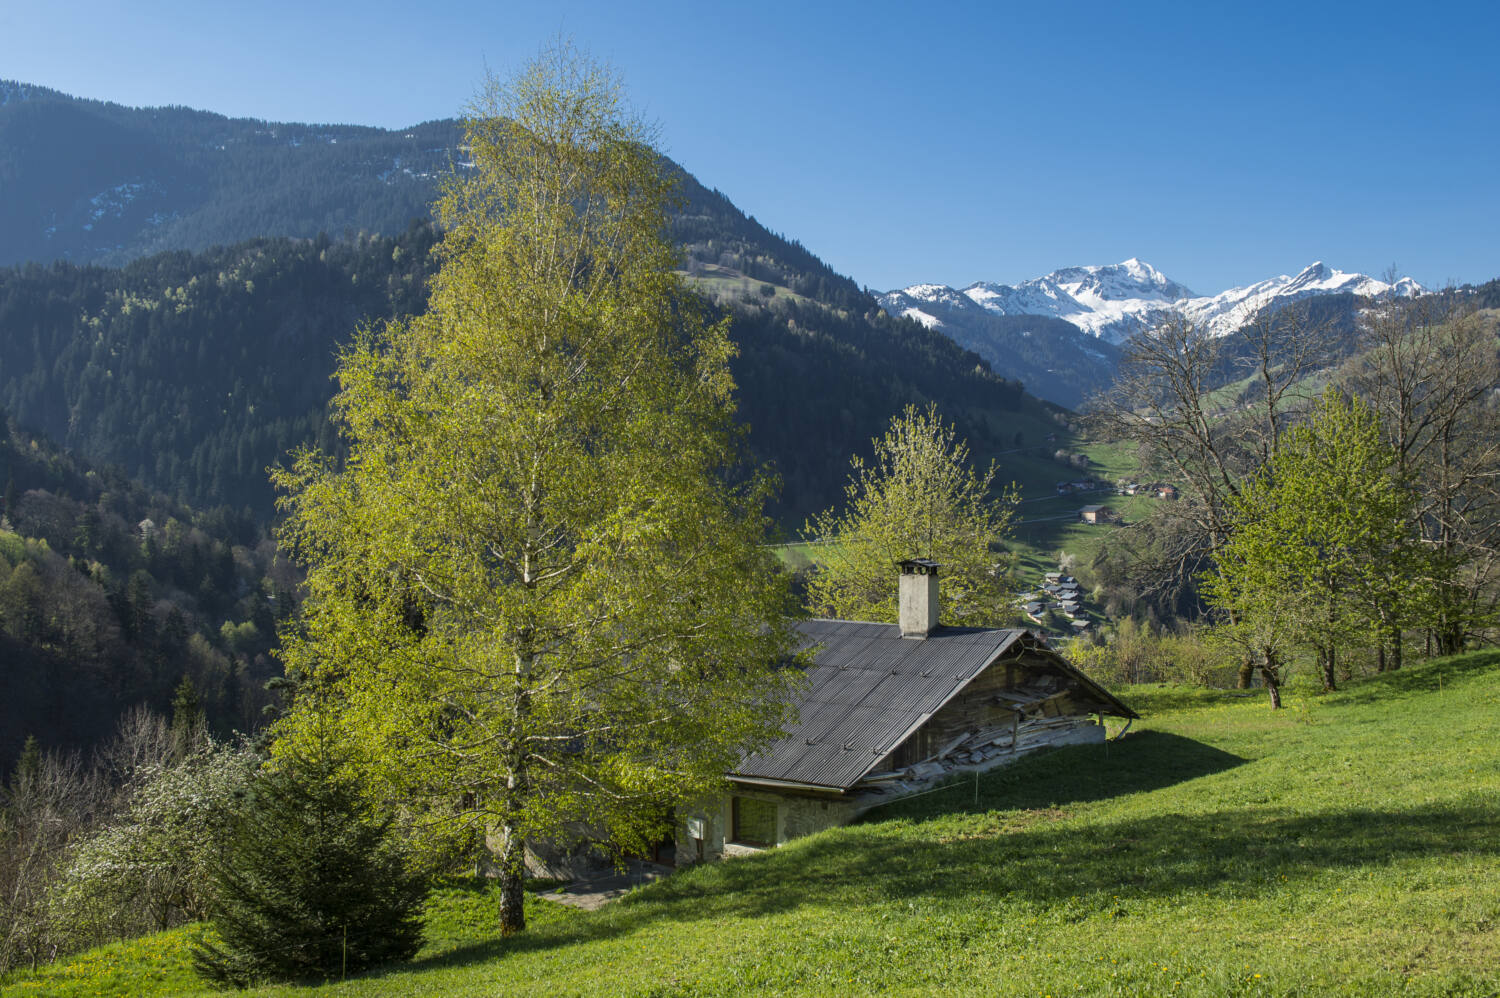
(980, 707)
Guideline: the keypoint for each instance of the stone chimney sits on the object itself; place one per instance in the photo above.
(919, 597)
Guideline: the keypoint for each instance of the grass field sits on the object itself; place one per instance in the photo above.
(1349, 844)
(722, 284)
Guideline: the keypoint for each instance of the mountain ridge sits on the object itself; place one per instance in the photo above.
(1117, 301)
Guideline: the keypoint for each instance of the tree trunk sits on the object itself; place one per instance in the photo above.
(1270, 675)
(1327, 661)
(1380, 657)
(512, 882)
(1397, 655)
(1247, 672)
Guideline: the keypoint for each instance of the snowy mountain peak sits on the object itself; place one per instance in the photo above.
(1119, 300)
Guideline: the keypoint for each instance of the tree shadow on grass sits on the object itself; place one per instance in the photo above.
(1241, 851)
(1010, 846)
(549, 925)
(1429, 677)
(783, 879)
(1146, 760)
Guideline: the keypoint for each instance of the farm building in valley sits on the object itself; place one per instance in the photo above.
(888, 711)
(1096, 514)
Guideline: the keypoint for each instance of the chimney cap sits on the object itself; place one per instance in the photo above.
(918, 566)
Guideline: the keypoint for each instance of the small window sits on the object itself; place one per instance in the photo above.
(754, 821)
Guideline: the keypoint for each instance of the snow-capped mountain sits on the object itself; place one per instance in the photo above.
(1228, 311)
(1117, 301)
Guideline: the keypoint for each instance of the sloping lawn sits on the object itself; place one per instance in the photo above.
(1349, 844)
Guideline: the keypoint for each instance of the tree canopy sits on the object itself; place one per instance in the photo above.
(918, 497)
(533, 599)
(1321, 550)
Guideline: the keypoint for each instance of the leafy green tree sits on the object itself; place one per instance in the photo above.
(917, 498)
(311, 883)
(532, 598)
(1322, 549)
(1428, 368)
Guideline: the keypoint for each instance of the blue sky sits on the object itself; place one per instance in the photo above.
(950, 142)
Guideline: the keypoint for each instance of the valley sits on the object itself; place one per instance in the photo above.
(469, 488)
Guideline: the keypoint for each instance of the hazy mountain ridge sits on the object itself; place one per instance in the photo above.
(91, 181)
(218, 360)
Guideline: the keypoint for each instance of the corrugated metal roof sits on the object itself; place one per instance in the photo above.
(868, 688)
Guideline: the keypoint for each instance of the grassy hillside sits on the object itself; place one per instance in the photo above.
(1345, 845)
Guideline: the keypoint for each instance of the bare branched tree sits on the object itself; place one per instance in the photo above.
(1204, 412)
(43, 807)
(1429, 367)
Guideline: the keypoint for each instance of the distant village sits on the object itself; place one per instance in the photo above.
(1057, 602)
(1058, 594)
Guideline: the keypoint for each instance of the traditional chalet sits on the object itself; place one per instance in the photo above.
(890, 709)
(1095, 514)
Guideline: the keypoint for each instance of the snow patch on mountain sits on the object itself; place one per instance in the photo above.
(1230, 310)
(925, 318)
(1118, 301)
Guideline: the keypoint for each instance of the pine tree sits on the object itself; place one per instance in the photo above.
(29, 765)
(188, 727)
(312, 884)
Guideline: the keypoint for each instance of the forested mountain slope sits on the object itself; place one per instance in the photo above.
(194, 372)
(92, 182)
(110, 595)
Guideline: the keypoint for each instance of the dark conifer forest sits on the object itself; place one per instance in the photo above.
(195, 372)
(111, 595)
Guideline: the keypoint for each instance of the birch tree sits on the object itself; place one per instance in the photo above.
(532, 598)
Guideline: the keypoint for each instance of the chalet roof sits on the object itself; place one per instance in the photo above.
(869, 688)
(1091, 509)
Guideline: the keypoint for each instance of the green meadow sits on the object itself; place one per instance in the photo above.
(1348, 844)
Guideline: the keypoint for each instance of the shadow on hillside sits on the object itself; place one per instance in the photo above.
(1245, 850)
(1146, 760)
(539, 935)
(1012, 847)
(1429, 677)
